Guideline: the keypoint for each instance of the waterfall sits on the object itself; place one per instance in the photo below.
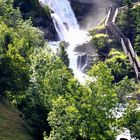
(82, 61)
(68, 30)
(59, 26)
(65, 12)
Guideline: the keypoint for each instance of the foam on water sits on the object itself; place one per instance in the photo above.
(68, 30)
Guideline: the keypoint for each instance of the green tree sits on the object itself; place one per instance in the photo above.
(127, 21)
(131, 119)
(128, 2)
(17, 42)
(49, 80)
(63, 54)
(137, 22)
(88, 113)
(100, 40)
(124, 88)
(119, 64)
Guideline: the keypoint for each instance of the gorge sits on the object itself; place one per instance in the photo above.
(76, 32)
(69, 30)
(67, 70)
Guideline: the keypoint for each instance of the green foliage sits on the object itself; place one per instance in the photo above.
(13, 69)
(14, 64)
(63, 54)
(32, 105)
(131, 119)
(87, 114)
(32, 9)
(44, 89)
(129, 21)
(126, 23)
(49, 79)
(127, 2)
(18, 41)
(99, 40)
(125, 88)
(60, 120)
(13, 72)
(27, 7)
(50, 71)
(137, 44)
(119, 65)
(7, 13)
(137, 22)
(39, 15)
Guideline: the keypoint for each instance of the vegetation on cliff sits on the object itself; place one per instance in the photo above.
(40, 16)
(129, 21)
(55, 105)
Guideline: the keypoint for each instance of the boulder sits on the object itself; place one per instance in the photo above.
(86, 47)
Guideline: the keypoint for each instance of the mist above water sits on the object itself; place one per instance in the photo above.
(98, 12)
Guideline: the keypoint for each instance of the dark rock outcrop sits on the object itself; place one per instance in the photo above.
(45, 23)
(86, 47)
(87, 56)
(90, 12)
(39, 15)
(81, 10)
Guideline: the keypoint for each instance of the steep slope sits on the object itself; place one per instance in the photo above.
(39, 15)
(12, 126)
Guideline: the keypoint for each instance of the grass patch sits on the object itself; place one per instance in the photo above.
(12, 126)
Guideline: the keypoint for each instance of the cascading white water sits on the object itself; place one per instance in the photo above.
(68, 30)
(64, 10)
(60, 28)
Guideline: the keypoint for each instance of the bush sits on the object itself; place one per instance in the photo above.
(119, 65)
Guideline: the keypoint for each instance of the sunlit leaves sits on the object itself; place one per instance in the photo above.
(87, 114)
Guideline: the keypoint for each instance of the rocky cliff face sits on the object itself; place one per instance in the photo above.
(45, 23)
(90, 12)
(39, 14)
(81, 10)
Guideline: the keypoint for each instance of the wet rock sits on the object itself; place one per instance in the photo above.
(82, 61)
(86, 47)
(45, 23)
(86, 61)
(87, 56)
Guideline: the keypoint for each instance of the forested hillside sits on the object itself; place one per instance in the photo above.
(43, 86)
